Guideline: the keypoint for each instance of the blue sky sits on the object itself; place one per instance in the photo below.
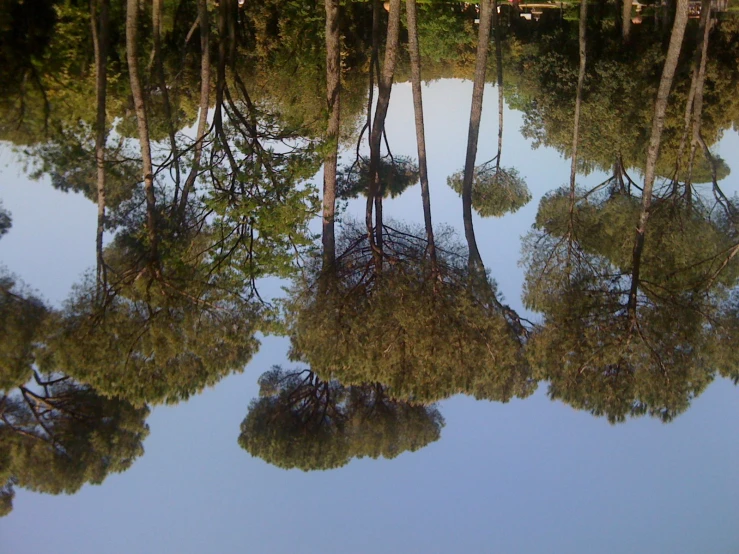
(528, 476)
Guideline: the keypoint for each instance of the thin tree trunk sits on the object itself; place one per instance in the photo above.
(333, 99)
(99, 22)
(626, 19)
(483, 38)
(385, 85)
(582, 38)
(142, 122)
(156, 24)
(499, 70)
(705, 25)
(420, 132)
(658, 122)
(582, 41)
(204, 105)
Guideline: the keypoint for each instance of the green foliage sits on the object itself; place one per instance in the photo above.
(395, 175)
(597, 359)
(22, 316)
(620, 87)
(686, 245)
(157, 344)
(363, 324)
(62, 435)
(302, 422)
(600, 353)
(445, 32)
(495, 191)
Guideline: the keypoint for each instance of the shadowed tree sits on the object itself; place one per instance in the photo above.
(21, 317)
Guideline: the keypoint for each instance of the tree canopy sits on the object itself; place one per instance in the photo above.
(302, 422)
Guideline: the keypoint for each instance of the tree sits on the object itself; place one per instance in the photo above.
(154, 341)
(495, 191)
(61, 435)
(363, 325)
(474, 131)
(302, 422)
(22, 315)
(396, 175)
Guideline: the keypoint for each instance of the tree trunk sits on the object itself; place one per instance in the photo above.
(142, 122)
(582, 40)
(658, 122)
(420, 132)
(626, 19)
(499, 70)
(99, 22)
(385, 85)
(204, 105)
(156, 23)
(333, 99)
(483, 38)
(705, 26)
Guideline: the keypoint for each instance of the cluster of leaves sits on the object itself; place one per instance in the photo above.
(425, 330)
(302, 422)
(496, 191)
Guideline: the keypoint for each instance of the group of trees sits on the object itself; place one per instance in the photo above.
(197, 128)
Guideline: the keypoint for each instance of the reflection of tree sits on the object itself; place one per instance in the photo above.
(55, 434)
(58, 435)
(616, 115)
(384, 326)
(302, 422)
(395, 175)
(628, 321)
(157, 340)
(495, 191)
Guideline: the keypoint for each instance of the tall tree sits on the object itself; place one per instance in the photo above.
(385, 85)
(415, 55)
(99, 20)
(660, 108)
(142, 120)
(478, 88)
(333, 99)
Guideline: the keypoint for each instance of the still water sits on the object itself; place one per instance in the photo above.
(255, 298)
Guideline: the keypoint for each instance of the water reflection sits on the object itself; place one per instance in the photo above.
(302, 422)
(199, 147)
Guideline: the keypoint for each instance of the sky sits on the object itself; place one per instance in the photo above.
(527, 476)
